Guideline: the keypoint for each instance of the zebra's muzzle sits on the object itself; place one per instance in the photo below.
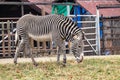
(79, 59)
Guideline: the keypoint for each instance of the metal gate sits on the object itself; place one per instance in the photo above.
(90, 26)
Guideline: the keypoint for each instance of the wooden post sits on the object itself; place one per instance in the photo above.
(9, 39)
(38, 46)
(44, 42)
(42, 11)
(32, 44)
(12, 39)
(51, 46)
(44, 45)
(3, 43)
(22, 10)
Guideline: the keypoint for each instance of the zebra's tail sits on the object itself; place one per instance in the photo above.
(16, 38)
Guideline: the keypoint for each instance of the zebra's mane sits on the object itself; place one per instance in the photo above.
(77, 30)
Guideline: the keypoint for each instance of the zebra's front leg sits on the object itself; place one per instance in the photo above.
(58, 55)
(18, 49)
(64, 58)
(29, 52)
(64, 54)
(33, 60)
(62, 50)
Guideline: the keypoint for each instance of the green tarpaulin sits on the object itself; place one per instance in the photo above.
(60, 9)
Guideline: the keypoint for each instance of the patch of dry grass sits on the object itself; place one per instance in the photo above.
(89, 69)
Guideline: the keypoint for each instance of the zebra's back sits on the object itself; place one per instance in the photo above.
(37, 27)
(40, 27)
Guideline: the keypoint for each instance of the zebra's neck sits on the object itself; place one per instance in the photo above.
(70, 35)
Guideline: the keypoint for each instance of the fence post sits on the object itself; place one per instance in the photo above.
(98, 32)
(68, 10)
(38, 46)
(22, 10)
(3, 43)
(44, 45)
(32, 44)
(12, 38)
(42, 11)
(9, 39)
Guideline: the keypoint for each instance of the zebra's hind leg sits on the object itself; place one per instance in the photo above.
(18, 49)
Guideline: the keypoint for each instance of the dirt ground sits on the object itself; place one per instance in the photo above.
(50, 58)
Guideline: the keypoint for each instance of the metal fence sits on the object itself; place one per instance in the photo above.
(111, 35)
(110, 42)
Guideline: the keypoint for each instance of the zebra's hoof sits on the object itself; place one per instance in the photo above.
(64, 64)
(35, 64)
(80, 60)
(15, 62)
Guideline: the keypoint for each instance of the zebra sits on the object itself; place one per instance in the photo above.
(59, 28)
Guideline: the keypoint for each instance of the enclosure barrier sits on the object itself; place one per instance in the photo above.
(7, 38)
(7, 42)
(37, 47)
(90, 27)
(111, 31)
(7, 30)
(111, 35)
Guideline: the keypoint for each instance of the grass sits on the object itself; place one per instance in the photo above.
(89, 69)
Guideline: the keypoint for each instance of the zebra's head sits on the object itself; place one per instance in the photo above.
(78, 47)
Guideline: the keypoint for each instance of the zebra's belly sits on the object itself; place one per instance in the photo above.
(41, 37)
